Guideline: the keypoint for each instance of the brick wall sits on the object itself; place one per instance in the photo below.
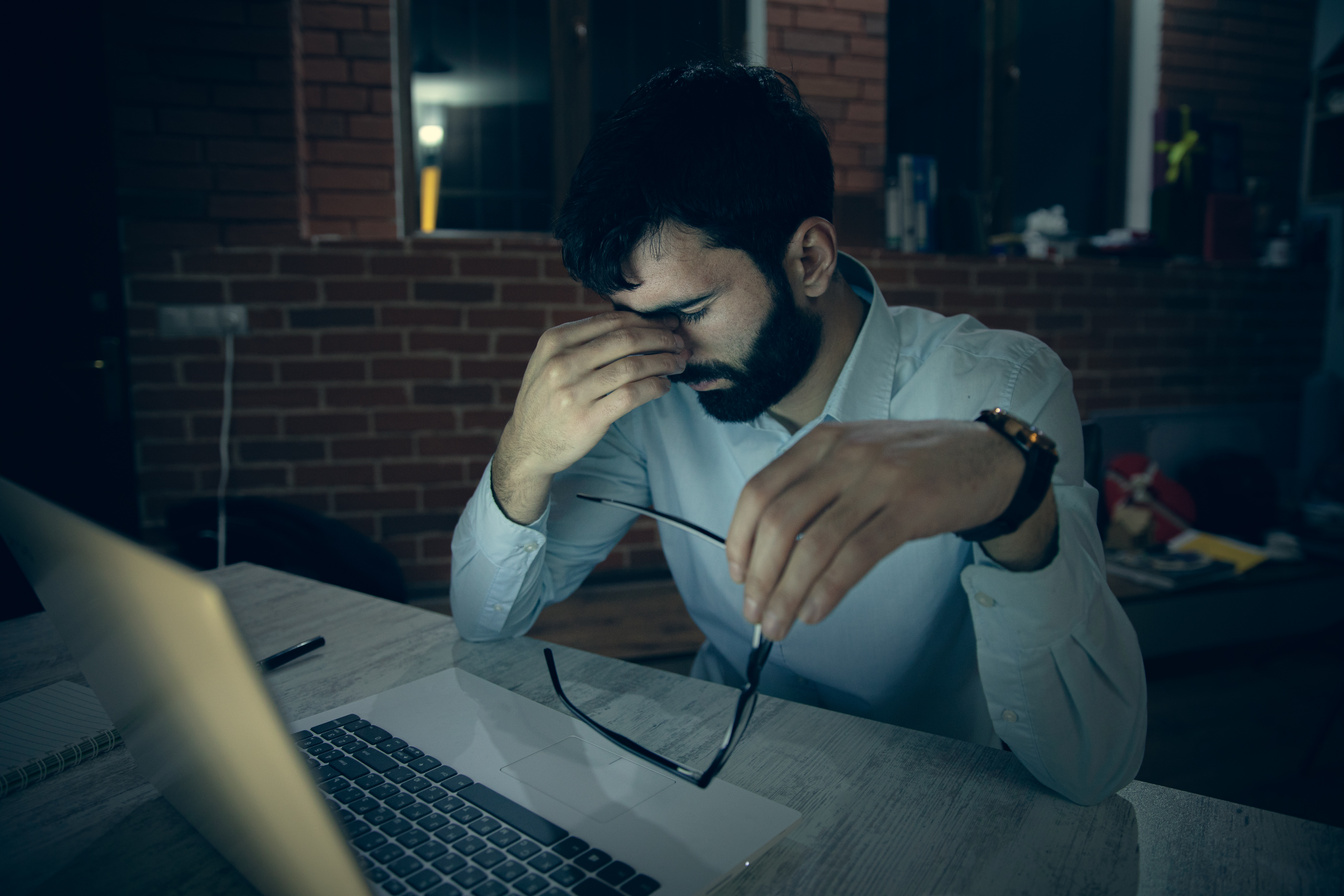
(836, 51)
(255, 166)
(1245, 62)
(377, 376)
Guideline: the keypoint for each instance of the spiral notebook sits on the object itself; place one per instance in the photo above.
(49, 730)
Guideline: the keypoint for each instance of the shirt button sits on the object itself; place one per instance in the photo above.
(530, 547)
(984, 599)
(1009, 715)
(498, 608)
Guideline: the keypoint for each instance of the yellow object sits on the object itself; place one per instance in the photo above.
(1241, 555)
(429, 197)
(1178, 153)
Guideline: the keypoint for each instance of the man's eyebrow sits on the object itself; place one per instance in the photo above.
(669, 308)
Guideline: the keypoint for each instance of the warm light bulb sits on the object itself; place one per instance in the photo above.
(431, 135)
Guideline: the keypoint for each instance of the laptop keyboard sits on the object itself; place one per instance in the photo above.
(420, 827)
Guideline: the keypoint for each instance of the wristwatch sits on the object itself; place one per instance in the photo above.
(1039, 451)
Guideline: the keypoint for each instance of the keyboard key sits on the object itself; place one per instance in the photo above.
(415, 785)
(412, 838)
(383, 790)
(469, 877)
(306, 739)
(488, 858)
(343, 740)
(616, 873)
(505, 809)
(376, 874)
(404, 866)
(524, 849)
(395, 887)
(355, 828)
(351, 768)
(641, 885)
(348, 795)
(571, 848)
(424, 764)
(450, 864)
(491, 888)
(449, 804)
(381, 815)
(400, 801)
(467, 814)
(391, 745)
(325, 773)
(334, 723)
(531, 885)
(432, 794)
(469, 846)
(388, 853)
(396, 827)
(442, 773)
(504, 837)
(546, 861)
(566, 875)
(430, 851)
(444, 889)
(356, 724)
(372, 734)
(592, 860)
(371, 840)
(369, 781)
(416, 812)
(413, 753)
(399, 774)
(451, 833)
(484, 826)
(456, 783)
(424, 879)
(379, 762)
(509, 871)
(367, 804)
(593, 887)
(335, 784)
(433, 821)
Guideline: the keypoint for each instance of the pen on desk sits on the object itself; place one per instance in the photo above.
(276, 660)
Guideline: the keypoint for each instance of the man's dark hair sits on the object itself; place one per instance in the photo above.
(730, 150)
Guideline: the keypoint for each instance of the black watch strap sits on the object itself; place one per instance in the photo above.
(1040, 454)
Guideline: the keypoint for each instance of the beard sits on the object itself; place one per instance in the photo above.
(780, 356)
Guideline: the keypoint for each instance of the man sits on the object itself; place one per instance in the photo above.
(751, 379)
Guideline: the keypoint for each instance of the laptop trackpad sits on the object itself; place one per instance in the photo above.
(588, 778)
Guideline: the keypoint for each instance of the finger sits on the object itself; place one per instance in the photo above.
(856, 558)
(572, 335)
(619, 402)
(795, 509)
(813, 557)
(634, 368)
(761, 492)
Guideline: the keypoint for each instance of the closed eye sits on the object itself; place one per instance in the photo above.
(691, 317)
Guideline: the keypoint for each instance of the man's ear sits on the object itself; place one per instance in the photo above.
(812, 256)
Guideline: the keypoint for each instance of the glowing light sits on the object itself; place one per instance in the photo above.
(431, 135)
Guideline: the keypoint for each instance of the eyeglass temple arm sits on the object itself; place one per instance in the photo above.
(700, 780)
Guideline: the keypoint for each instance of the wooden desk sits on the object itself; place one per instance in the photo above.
(885, 809)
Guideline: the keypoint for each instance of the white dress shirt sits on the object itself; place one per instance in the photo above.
(937, 636)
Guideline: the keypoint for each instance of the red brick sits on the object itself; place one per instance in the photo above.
(420, 317)
(516, 318)
(326, 424)
(176, 291)
(324, 71)
(499, 266)
(286, 345)
(420, 473)
(331, 15)
(364, 396)
(318, 263)
(207, 426)
(346, 152)
(412, 369)
(368, 72)
(454, 291)
(360, 343)
(456, 446)
(472, 343)
(273, 291)
(401, 446)
(322, 371)
(815, 42)
(516, 293)
(308, 476)
(406, 499)
(346, 177)
(213, 372)
(412, 265)
(493, 370)
(367, 291)
(355, 204)
(278, 397)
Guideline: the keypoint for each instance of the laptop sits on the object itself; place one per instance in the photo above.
(464, 786)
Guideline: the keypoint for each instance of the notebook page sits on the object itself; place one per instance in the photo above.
(46, 720)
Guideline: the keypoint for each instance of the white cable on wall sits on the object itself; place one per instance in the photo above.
(221, 521)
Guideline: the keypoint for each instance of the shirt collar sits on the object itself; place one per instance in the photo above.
(863, 389)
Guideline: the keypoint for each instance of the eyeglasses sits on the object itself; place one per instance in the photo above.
(746, 700)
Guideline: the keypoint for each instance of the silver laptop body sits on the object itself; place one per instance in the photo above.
(159, 647)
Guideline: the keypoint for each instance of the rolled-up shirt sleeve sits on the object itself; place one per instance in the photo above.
(1059, 660)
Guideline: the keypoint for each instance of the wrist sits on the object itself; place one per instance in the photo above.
(520, 494)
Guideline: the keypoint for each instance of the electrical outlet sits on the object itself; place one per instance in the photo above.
(178, 321)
